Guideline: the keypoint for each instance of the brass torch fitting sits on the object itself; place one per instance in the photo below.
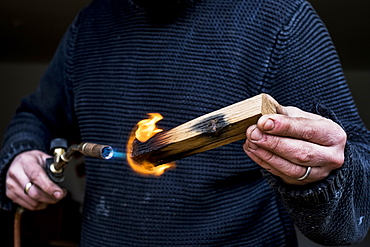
(58, 160)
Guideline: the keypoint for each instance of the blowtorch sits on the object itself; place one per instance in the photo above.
(63, 154)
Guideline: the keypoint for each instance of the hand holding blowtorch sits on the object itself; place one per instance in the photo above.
(27, 166)
(28, 182)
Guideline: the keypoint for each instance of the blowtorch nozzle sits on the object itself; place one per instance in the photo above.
(95, 150)
(107, 152)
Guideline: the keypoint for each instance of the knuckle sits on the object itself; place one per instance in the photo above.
(34, 175)
(304, 155)
(308, 133)
(337, 161)
(295, 171)
(9, 185)
(286, 129)
(337, 136)
(269, 158)
(333, 140)
(11, 173)
(274, 143)
(22, 157)
(35, 195)
(342, 137)
(48, 188)
(292, 111)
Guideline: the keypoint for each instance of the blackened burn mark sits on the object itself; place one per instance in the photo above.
(211, 126)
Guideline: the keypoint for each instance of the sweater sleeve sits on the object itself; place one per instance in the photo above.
(305, 71)
(45, 114)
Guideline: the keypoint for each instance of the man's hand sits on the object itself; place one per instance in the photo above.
(27, 169)
(288, 143)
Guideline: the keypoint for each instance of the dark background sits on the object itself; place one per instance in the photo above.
(31, 30)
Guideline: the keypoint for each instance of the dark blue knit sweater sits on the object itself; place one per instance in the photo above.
(114, 65)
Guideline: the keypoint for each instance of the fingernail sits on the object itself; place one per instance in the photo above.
(252, 146)
(269, 124)
(57, 194)
(256, 135)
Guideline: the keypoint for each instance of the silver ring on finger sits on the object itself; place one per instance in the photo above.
(307, 173)
(27, 187)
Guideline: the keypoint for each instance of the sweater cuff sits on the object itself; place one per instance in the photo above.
(7, 155)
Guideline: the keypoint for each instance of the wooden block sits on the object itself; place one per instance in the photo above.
(206, 132)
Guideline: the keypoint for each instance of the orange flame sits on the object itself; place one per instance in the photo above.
(146, 129)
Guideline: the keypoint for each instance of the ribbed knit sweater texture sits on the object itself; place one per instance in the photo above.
(114, 65)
